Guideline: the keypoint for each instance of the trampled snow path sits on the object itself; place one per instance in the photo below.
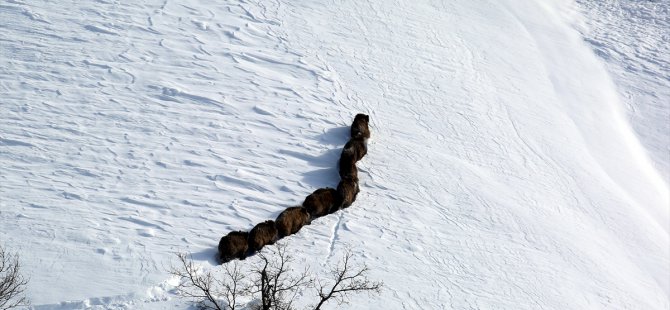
(502, 172)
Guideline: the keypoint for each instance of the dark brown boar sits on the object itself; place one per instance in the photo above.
(262, 234)
(320, 202)
(347, 190)
(348, 170)
(353, 151)
(291, 220)
(233, 245)
(360, 128)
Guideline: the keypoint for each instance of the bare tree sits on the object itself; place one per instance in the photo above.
(194, 285)
(273, 278)
(276, 282)
(206, 288)
(234, 284)
(12, 283)
(347, 279)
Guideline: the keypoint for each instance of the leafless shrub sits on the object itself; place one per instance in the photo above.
(272, 281)
(12, 283)
(205, 288)
(276, 282)
(346, 279)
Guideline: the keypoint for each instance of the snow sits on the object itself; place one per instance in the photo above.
(639, 62)
(511, 166)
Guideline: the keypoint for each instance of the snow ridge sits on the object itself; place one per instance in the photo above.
(639, 64)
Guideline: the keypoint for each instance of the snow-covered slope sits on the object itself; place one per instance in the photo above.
(633, 37)
(502, 171)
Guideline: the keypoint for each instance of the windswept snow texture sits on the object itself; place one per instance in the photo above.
(633, 37)
(503, 170)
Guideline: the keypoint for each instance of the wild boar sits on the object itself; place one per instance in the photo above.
(233, 245)
(320, 202)
(262, 234)
(291, 220)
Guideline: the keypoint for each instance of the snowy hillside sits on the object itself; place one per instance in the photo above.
(505, 170)
(633, 37)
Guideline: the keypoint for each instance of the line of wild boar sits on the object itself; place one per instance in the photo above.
(323, 201)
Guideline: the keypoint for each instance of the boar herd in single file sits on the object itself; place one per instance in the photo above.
(323, 201)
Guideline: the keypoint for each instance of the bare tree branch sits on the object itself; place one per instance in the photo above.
(233, 284)
(277, 283)
(206, 288)
(273, 277)
(194, 285)
(346, 280)
(12, 283)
